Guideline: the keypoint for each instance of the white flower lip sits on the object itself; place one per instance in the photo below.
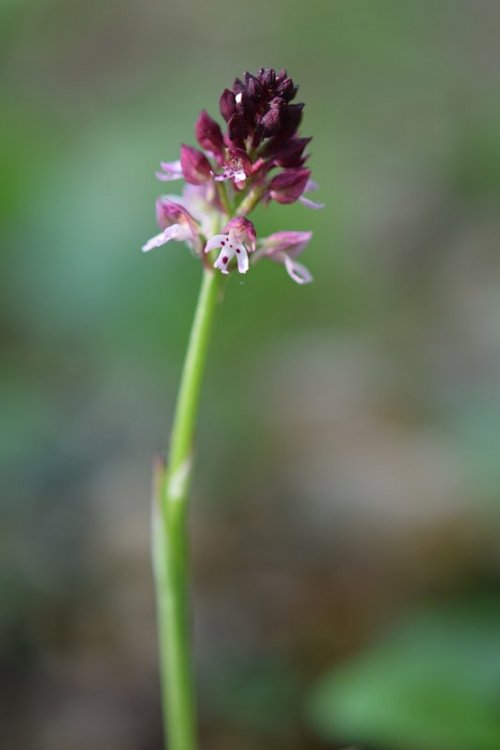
(231, 246)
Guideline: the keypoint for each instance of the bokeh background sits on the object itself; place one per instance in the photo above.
(345, 506)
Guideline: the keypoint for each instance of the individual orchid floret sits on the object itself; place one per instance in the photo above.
(284, 247)
(195, 166)
(238, 239)
(237, 166)
(176, 223)
(171, 170)
(288, 186)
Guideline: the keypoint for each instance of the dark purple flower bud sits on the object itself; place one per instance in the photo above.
(195, 165)
(208, 134)
(238, 85)
(288, 186)
(272, 120)
(253, 85)
(287, 90)
(227, 104)
(268, 77)
(281, 75)
(247, 105)
(288, 153)
(290, 121)
(257, 136)
(237, 128)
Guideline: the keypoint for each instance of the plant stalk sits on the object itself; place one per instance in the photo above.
(170, 542)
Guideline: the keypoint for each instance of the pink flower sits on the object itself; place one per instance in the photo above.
(176, 222)
(288, 186)
(283, 247)
(238, 239)
(237, 166)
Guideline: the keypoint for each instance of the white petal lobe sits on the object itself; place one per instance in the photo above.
(175, 232)
(215, 241)
(297, 271)
(242, 258)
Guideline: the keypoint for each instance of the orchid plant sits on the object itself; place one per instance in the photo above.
(259, 158)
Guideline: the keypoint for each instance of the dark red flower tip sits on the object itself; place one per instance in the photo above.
(287, 89)
(291, 119)
(253, 85)
(289, 185)
(227, 104)
(195, 166)
(272, 121)
(209, 135)
(247, 106)
(268, 77)
(237, 128)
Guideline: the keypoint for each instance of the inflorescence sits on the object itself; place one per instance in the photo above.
(235, 171)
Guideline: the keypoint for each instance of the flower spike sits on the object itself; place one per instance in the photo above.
(257, 156)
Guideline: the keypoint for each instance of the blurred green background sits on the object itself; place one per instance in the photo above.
(344, 517)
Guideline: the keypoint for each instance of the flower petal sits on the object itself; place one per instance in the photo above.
(290, 242)
(237, 175)
(297, 271)
(175, 232)
(310, 185)
(224, 259)
(309, 203)
(172, 170)
(216, 241)
(242, 258)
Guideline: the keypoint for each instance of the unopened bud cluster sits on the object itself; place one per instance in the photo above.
(259, 158)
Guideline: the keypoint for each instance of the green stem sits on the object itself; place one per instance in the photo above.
(249, 202)
(170, 544)
(224, 198)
